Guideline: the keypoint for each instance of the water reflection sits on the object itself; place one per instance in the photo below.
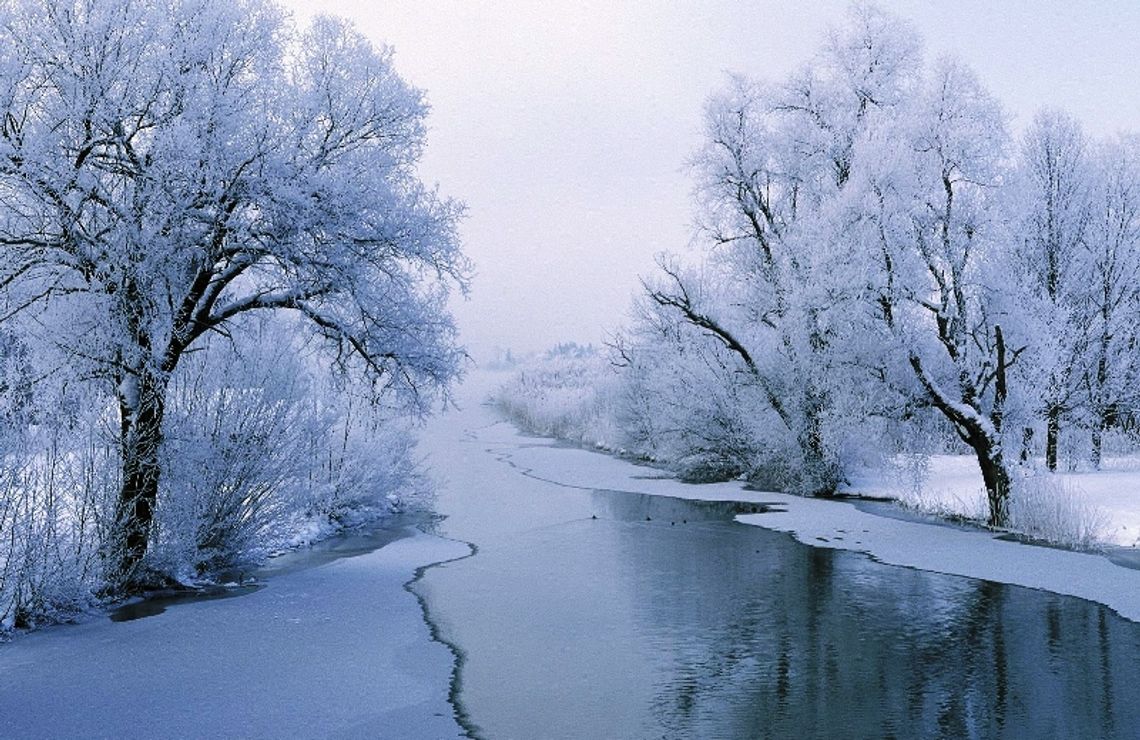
(158, 602)
(664, 618)
(823, 642)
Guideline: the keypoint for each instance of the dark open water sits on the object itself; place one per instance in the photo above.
(663, 618)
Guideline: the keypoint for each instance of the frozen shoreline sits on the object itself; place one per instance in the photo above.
(337, 650)
(841, 525)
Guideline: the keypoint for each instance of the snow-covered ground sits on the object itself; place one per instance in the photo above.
(952, 484)
(340, 650)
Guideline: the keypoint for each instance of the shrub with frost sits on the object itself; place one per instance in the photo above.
(1052, 509)
(265, 452)
(58, 478)
(568, 392)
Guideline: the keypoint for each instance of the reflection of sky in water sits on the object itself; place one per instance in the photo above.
(664, 618)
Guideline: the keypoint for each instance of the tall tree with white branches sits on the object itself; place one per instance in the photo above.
(168, 169)
(1054, 185)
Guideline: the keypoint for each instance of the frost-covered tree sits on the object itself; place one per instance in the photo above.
(737, 424)
(929, 223)
(775, 156)
(168, 168)
(877, 251)
(1053, 200)
(1110, 301)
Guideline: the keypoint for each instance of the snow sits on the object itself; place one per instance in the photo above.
(927, 546)
(952, 484)
(1116, 492)
(339, 650)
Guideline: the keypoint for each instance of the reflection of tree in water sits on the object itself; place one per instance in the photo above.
(757, 636)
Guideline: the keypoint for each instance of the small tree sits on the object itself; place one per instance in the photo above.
(1110, 299)
(166, 168)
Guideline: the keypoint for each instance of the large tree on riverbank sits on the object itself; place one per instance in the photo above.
(776, 158)
(854, 210)
(928, 225)
(167, 169)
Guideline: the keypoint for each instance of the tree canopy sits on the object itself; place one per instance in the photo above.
(168, 170)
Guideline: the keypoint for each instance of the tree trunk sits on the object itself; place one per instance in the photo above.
(1052, 435)
(141, 430)
(1026, 444)
(989, 449)
(1105, 412)
(820, 470)
(1108, 418)
(996, 479)
(985, 442)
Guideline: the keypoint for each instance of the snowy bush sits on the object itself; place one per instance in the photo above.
(642, 409)
(569, 393)
(699, 417)
(263, 453)
(367, 467)
(234, 453)
(57, 489)
(1048, 508)
(907, 474)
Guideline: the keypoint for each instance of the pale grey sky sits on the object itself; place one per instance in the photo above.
(565, 126)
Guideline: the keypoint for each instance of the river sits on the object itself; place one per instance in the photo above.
(607, 613)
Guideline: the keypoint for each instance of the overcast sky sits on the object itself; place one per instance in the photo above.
(565, 126)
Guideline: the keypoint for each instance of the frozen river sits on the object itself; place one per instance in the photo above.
(589, 610)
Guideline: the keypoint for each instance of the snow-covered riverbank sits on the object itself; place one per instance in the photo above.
(339, 650)
(1108, 499)
(840, 524)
